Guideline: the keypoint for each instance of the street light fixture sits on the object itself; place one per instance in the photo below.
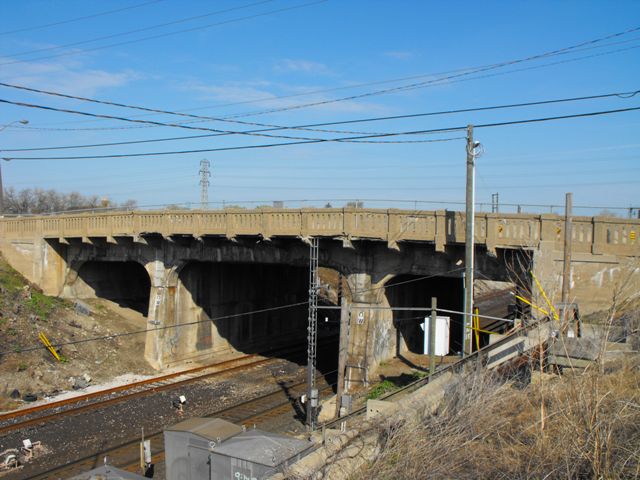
(22, 122)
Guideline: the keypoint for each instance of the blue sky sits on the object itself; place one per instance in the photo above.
(258, 52)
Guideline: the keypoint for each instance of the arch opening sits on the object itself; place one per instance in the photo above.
(124, 283)
(417, 293)
(250, 308)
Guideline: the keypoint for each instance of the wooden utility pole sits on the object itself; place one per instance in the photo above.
(345, 313)
(469, 241)
(432, 335)
(566, 270)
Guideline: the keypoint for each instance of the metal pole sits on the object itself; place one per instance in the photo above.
(1, 191)
(566, 270)
(345, 313)
(464, 307)
(312, 334)
(432, 336)
(469, 240)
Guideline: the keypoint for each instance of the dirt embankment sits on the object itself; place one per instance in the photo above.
(27, 367)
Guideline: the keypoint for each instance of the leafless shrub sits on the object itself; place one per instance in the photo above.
(488, 429)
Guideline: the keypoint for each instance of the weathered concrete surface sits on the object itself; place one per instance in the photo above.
(343, 455)
(72, 255)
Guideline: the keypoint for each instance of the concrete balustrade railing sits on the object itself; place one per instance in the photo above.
(596, 235)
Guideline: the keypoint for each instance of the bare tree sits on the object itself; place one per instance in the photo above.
(38, 200)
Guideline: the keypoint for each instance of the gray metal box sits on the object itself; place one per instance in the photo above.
(209, 448)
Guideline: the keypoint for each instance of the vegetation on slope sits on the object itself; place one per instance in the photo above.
(491, 428)
(27, 367)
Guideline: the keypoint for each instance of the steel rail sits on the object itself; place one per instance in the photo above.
(135, 394)
(109, 391)
(131, 449)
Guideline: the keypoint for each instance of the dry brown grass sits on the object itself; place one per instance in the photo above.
(488, 428)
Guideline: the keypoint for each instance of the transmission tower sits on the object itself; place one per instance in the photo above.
(312, 334)
(205, 174)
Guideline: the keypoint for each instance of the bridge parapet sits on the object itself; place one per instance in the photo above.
(596, 235)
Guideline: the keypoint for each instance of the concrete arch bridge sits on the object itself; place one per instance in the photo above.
(184, 270)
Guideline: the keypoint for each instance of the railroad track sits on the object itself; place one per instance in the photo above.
(27, 417)
(256, 411)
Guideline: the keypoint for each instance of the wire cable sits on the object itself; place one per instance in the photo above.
(321, 140)
(150, 122)
(416, 213)
(77, 19)
(411, 86)
(233, 118)
(271, 127)
(624, 95)
(480, 69)
(162, 35)
(381, 82)
(137, 30)
(18, 349)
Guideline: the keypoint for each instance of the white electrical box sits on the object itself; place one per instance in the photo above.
(443, 325)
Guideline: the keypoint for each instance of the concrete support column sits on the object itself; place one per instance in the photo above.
(161, 339)
(50, 267)
(371, 332)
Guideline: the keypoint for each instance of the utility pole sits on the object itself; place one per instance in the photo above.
(205, 174)
(469, 240)
(345, 315)
(312, 334)
(566, 270)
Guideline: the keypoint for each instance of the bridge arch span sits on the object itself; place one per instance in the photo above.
(126, 283)
(410, 290)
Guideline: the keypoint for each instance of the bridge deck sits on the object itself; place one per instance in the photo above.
(590, 234)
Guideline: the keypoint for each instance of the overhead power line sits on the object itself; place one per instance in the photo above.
(323, 140)
(162, 35)
(417, 211)
(233, 118)
(150, 122)
(160, 328)
(309, 127)
(25, 349)
(77, 19)
(169, 139)
(271, 127)
(382, 82)
(137, 30)
(467, 71)
(432, 82)
(190, 127)
(357, 187)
